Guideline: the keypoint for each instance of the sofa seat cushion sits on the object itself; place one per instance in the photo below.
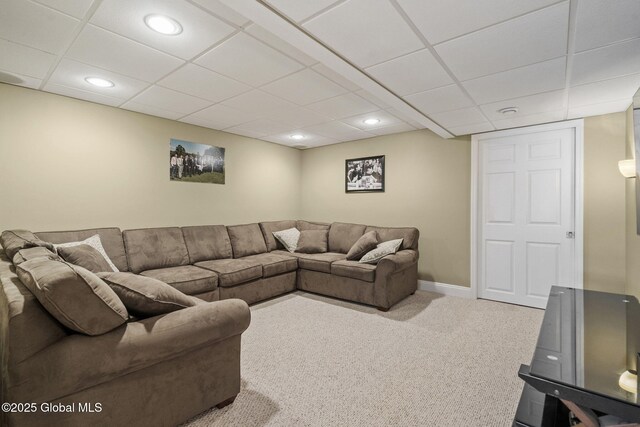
(354, 270)
(188, 279)
(316, 262)
(274, 264)
(232, 272)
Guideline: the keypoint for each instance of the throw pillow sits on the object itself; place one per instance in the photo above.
(382, 250)
(288, 238)
(85, 256)
(31, 253)
(94, 242)
(145, 296)
(364, 244)
(76, 297)
(14, 240)
(312, 242)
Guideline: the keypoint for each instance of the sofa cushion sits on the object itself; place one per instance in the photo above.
(188, 279)
(246, 239)
(95, 242)
(288, 238)
(76, 297)
(31, 253)
(155, 248)
(146, 296)
(86, 257)
(269, 227)
(382, 250)
(364, 244)
(312, 242)
(207, 242)
(315, 262)
(409, 235)
(14, 240)
(274, 264)
(232, 272)
(343, 236)
(310, 225)
(111, 239)
(354, 270)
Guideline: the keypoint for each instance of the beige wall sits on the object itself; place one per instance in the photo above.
(604, 203)
(69, 164)
(632, 238)
(427, 186)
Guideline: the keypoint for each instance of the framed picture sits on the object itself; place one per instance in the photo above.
(365, 174)
(192, 162)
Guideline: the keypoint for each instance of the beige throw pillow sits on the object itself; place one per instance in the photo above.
(86, 257)
(288, 238)
(364, 244)
(94, 242)
(382, 250)
(312, 242)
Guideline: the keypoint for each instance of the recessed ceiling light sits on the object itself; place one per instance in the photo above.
(163, 24)
(100, 82)
(297, 136)
(508, 110)
(372, 121)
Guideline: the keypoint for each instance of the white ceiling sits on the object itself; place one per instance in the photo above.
(272, 68)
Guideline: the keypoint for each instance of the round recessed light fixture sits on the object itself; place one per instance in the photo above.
(508, 110)
(297, 136)
(163, 24)
(371, 121)
(99, 82)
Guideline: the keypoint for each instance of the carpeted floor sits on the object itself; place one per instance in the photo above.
(430, 361)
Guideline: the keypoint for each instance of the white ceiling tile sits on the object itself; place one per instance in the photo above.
(335, 77)
(342, 106)
(19, 79)
(440, 20)
(75, 8)
(201, 82)
(604, 91)
(532, 119)
(528, 80)
(260, 127)
(258, 102)
(248, 60)
(223, 11)
(24, 60)
(415, 72)
(35, 25)
(299, 10)
(310, 140)
(371, 98)
(110, 51)
(218, 117)
(409, 121)
(599, 109)
(465, 116)
(276, 42)
(471, 129)
(200, 30)
(336, 130)
(446, 98)
(386, 120)
(368, 38)
(602, 22)
(527, 105)
(528, 39)
(245, 132)
(151, 110)
(72, 74)
(170, 100)
(304, 87)
(606, 62)
(82, 94)
(399, 128)
(297, 117)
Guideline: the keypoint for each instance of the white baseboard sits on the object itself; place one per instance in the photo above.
(445, 289)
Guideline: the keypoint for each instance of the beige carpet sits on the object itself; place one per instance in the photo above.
(430, 361)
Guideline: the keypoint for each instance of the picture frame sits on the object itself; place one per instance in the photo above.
(195, 162)
(365, 174)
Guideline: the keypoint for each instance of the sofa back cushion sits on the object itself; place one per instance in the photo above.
(111, 239)
(152, 248)
(14, 240)
(409, 235)
(269, 227)
(206, 242)
(246, 239)
(342, 236)
(310, 225)
(76, 297)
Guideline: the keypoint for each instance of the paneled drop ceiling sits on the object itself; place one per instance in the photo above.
(271, 69)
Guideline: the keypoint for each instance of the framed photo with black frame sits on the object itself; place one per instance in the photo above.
(364, 175)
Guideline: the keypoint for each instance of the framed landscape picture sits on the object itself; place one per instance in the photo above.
(365, 174)
(193, 162)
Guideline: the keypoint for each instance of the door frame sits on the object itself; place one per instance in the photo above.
(477, 140)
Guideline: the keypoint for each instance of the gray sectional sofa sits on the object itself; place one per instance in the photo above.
(162, 370)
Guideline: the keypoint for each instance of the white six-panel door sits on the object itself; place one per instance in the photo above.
(526, 215)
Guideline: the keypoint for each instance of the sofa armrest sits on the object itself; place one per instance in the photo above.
(398, 261)
(80, 361)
